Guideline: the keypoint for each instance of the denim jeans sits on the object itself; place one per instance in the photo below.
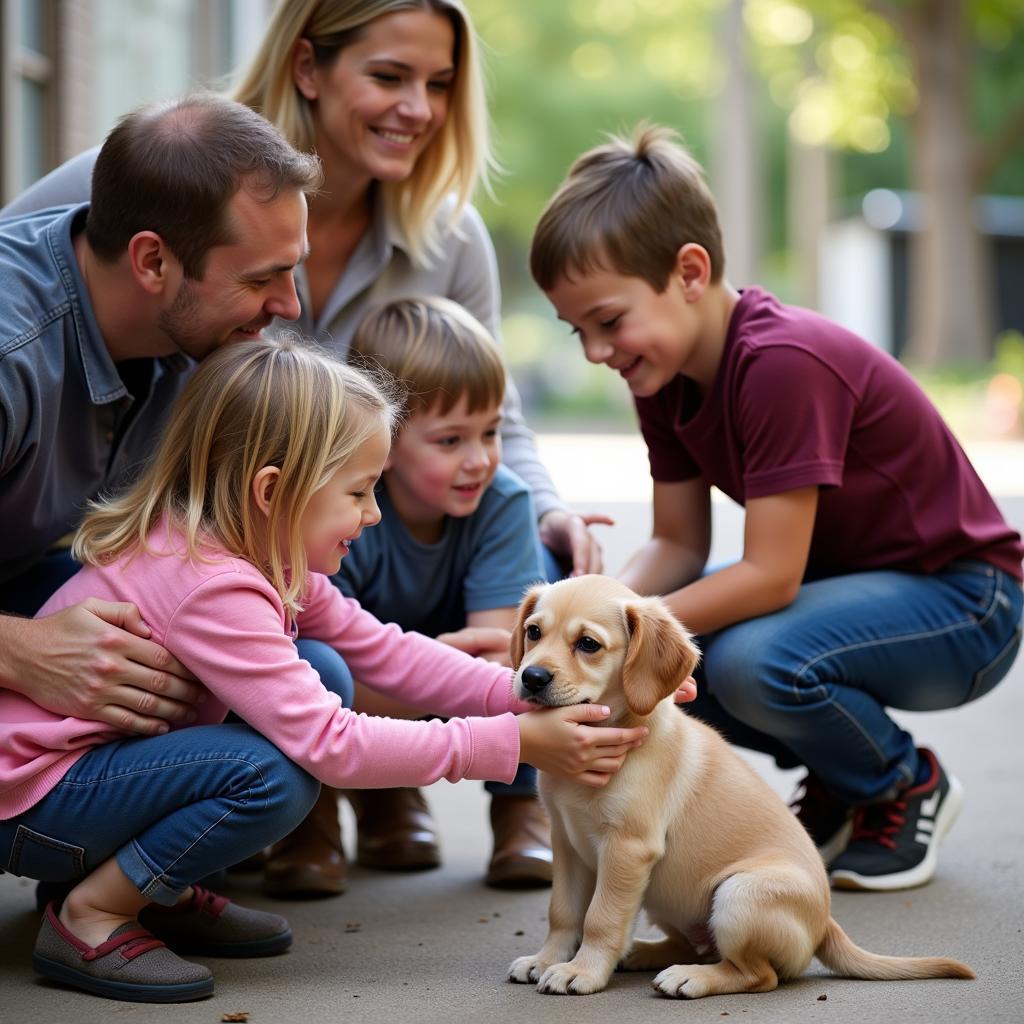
(810, 684)
(172, 809)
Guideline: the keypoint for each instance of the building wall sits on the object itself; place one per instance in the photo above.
(70, 68)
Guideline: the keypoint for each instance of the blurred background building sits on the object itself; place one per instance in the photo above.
(70, 67)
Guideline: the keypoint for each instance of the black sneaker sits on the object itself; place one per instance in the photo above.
(895, 844)
(828, 821)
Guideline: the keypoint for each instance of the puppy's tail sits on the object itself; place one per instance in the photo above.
(841, 955)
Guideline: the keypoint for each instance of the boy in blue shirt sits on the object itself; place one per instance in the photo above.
(456, 548)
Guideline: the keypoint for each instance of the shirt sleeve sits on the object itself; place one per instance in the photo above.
(506, 555)
(794, 417)
(229, 632)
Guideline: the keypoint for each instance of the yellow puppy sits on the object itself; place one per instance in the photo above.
(686, 828)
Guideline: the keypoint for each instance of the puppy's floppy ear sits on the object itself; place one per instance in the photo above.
(526, 606)
(659, 657)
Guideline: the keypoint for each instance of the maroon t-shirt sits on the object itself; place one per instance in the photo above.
(799, 401)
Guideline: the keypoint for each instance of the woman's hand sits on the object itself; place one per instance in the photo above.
(564, 742)
(568, 536)
(94, 660)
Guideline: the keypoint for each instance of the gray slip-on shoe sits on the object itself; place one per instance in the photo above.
(132, 965)
(212, 925)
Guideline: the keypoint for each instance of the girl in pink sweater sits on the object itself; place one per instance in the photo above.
(263, 480)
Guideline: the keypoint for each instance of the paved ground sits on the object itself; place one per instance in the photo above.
(433, 948)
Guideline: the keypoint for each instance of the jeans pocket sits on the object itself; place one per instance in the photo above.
(986, 678)
(45, 859)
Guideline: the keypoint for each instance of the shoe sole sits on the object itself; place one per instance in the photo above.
(302, 884)
(519, 878)
(412, 857)
(272, 945)
(134, 992)
(919, 874)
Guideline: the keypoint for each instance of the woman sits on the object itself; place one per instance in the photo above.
(389, 93)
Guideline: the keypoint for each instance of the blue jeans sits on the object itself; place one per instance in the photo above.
(172, 809)
(810, 684)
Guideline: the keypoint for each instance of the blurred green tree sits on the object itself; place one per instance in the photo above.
(925, 93)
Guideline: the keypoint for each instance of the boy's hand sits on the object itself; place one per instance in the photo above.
(687, 691)
(559, 740)
(489, 642)
(568, 536)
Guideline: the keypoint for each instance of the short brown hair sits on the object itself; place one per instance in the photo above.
(436, 350)
(173, 168)
(630, 206)
(280, 402)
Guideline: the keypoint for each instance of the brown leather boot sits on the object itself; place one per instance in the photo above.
(522, 843)
(309, 863)
(396, 832)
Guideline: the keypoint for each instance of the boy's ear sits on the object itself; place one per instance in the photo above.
(693, 267)
(263, 484)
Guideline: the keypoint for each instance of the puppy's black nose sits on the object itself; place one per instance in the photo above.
(535, 678)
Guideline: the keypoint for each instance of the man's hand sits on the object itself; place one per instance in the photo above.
(568, 535)
(94, 661)
(488, 642)
(561, 741)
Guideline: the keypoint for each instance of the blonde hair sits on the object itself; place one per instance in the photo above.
(628, 206)
(257, 403)
(436, 350)
(456, 159)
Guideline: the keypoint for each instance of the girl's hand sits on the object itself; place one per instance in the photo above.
(561, 741)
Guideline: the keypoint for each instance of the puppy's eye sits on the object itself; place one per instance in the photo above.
(588, 645)
(533, 632)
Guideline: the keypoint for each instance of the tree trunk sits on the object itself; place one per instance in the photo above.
(951, 286)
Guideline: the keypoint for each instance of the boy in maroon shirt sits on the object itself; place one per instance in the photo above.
(877, 571)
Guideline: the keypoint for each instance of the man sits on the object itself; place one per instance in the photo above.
(196, 223)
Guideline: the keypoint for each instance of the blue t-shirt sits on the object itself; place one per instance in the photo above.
(482, 561)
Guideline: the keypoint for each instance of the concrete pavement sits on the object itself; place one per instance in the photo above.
(433, 947)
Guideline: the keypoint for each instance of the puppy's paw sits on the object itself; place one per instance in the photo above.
(525, 969)
(682, 981)
(570, 979)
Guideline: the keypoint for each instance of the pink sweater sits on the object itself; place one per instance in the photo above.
(226, 624)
